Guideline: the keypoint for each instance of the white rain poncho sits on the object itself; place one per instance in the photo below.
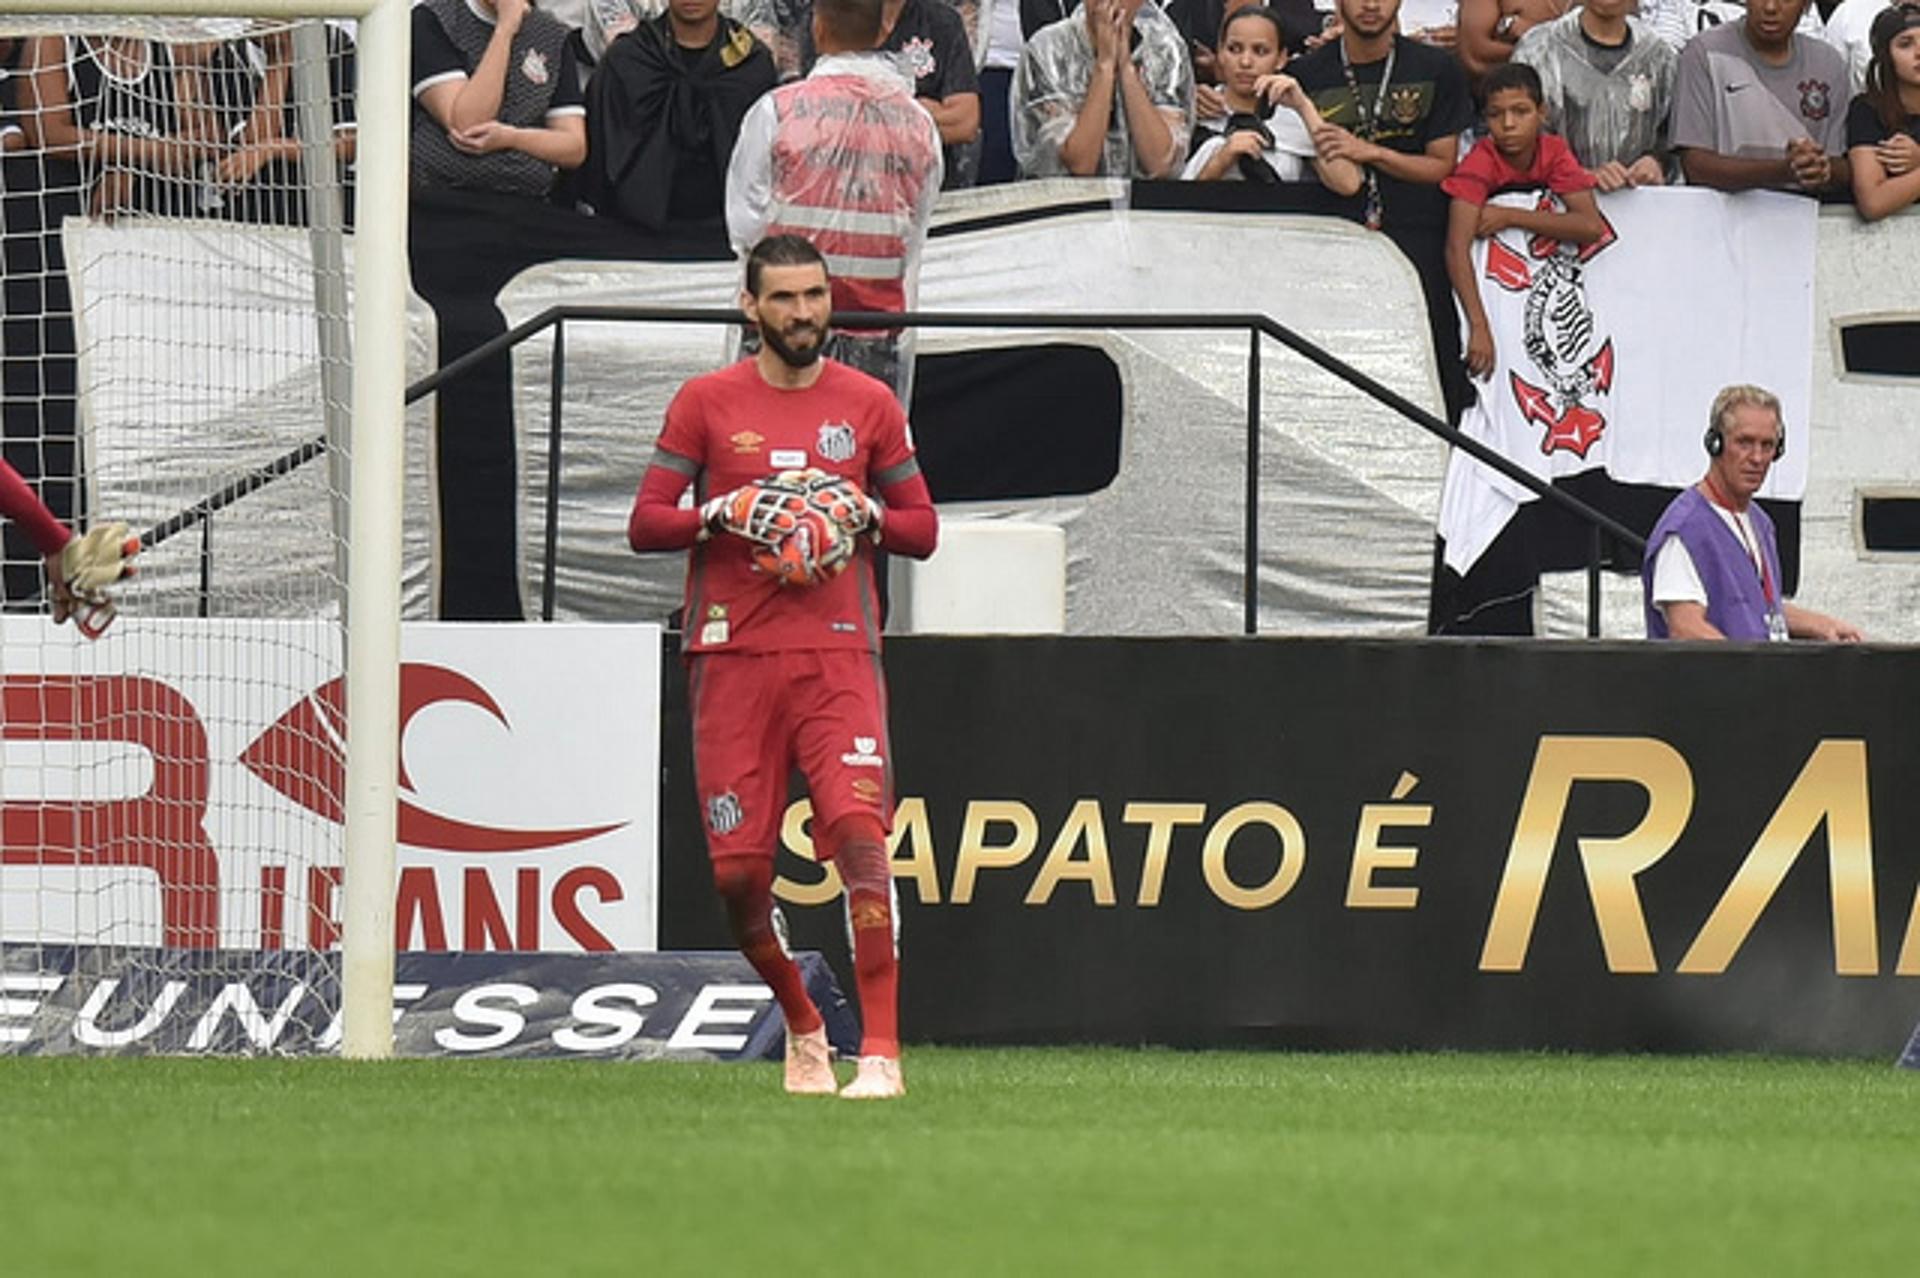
(1050, 84)
(1618, 114)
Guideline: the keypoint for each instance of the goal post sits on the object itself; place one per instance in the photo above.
(373, 441)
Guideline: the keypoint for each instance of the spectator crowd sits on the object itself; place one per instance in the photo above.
(639, 115)
(841, 119)
(630, 111)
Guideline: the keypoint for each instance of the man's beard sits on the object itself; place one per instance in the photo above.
(791, 356)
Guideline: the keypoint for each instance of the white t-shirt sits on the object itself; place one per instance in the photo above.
(1848, 30)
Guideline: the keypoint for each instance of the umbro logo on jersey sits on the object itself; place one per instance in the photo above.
(746, 441)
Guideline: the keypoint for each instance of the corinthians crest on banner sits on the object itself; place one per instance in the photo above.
(1608, 354)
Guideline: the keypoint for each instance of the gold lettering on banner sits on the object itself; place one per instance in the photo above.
(1908, 964)
(1083, 824)
(1832, 787)
(1370, 855)
(1610, 863)
(977, 854)
(1159, 818)
(1293, 855)
(912, 829)
(793, 833)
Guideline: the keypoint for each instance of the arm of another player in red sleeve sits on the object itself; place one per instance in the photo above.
(910, 526)
(659, 521)
(21, 504)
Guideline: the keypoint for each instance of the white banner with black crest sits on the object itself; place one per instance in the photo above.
(1609, 354)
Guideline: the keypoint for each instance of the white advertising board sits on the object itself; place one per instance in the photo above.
(177, 783)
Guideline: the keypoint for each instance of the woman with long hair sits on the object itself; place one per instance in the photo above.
(1883, 124)
(1256, 141)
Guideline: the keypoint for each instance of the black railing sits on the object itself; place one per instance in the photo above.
(1256, 326)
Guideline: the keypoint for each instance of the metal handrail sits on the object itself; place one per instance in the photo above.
(1256, 325)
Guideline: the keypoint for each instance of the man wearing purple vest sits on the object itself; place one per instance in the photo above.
(1712, 568)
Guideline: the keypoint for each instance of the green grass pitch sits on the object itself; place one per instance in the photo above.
(1010, 1161)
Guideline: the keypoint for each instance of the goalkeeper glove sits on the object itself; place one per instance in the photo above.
(83, 569)
(842, 501)
(763, 513)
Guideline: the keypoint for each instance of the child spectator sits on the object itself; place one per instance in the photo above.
(1609, 86)
(1883, 124)
(1254, 142)
(1516, 155)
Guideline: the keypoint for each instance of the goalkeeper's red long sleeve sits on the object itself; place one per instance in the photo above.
(659, 521)
(21, 504)
(910, 527)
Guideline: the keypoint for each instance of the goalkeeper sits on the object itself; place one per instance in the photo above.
(80, 568)
(782, 630)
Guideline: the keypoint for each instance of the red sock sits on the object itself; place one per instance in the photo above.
(859, 849)
(746, 886)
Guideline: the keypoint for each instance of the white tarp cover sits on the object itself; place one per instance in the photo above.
(1350, 490)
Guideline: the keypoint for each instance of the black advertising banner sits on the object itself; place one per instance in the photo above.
(107, 1000)
(1385, 844)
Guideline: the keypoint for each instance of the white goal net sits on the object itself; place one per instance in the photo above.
(175, 214)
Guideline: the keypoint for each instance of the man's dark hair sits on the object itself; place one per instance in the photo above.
(852, 24)
(1513, 75)
(781, 250)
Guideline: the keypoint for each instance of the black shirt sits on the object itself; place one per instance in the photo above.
(1864, 127)
(1426, 99)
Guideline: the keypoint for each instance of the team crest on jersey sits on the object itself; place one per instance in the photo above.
(723, 812)
(746, 441)
(916, 55)
(1403, 105)
(835, 442)
(534, 66)
(1640, 92)
(1816, 99)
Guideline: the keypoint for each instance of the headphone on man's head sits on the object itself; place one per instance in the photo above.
(1716, 443)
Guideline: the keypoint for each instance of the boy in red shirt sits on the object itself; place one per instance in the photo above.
(1514, 156)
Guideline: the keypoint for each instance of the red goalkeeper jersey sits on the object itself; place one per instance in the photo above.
(731, 428)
